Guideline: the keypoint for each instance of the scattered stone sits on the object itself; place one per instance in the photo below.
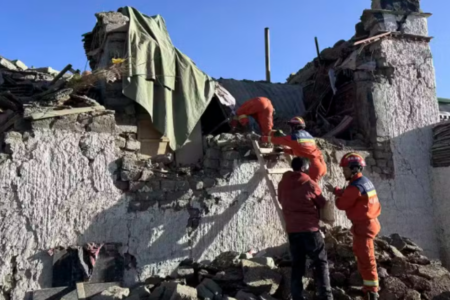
(114, 292)
(245, 296)
(431, 271)
(267, 261)
(393, 289)
(208, 289)
(412, 295)
(226, 260)
(183, 292)
(261, 277)
(186, 272)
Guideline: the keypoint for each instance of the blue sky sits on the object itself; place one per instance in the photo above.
(224, 38)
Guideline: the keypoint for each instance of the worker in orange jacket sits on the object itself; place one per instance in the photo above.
(301, 144)
(260, 109)
(360, 202)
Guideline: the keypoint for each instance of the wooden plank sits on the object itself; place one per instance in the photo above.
(59, 293)
(64, 112)
(272, 189)
(345, 123)
(372, 39)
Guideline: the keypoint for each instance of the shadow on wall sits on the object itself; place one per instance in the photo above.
(157, 239)
(407, 196)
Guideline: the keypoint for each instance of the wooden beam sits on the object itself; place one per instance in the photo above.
(372, 39)
(64, 112)
(61, 74)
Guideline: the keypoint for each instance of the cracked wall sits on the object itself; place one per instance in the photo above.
(397, 104)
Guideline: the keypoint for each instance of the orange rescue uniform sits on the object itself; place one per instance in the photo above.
(360, 202)
(261, 110)
(302, 144)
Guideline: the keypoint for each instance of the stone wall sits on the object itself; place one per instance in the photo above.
(68, 182)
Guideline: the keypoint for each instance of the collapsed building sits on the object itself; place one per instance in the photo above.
(121, 174)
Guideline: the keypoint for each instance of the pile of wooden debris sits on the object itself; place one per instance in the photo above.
(40, 93)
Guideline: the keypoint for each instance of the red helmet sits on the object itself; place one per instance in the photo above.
(297, 121)
(352, 160)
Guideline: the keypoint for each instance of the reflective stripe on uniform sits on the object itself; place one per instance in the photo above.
(306, 140)
(242, 117)
(370, 283)
(371, 193)
(269, 138)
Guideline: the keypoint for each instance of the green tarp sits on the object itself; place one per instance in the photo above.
(163, 80)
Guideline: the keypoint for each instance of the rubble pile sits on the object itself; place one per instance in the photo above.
(404, 274)
(41, 93)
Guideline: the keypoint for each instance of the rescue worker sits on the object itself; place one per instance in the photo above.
(301, 144)
(360, 202)
(260, 109)
(301, 199)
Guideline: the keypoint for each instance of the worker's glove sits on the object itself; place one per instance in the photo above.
(253, 136)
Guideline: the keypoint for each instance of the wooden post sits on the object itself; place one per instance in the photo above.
(267, 42)
(317, 48)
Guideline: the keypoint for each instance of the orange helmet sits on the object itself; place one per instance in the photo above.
(297, 121)
(352, 160)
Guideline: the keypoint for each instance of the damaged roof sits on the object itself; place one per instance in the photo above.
(287, 99)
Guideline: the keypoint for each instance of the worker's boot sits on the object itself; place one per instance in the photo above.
(372, 296)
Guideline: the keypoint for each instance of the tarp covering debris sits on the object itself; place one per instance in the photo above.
(163, 80)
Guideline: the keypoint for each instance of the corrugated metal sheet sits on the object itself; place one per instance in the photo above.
(286, 99)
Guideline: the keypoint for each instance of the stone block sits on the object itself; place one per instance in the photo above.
(123, 129)
(19, 64)
(378, 154)
(114, 292)
(68, 123)
(122, 185)
(120, 142)
(181, 195)
(140, 186)
(397, 5)
(382, 163)
(377, 22)
(432, 271)
(182, 185)
(241, 295)
(209, 182)
(230, 155)
(260, 277)
(412, 295)
(227, 164)
(213, 153)
(208, 289)
(103, 124)
(211, 163)
(266, 261)
(393, 289)
(226, 260)
(7, 64)
(183, 292)
(147, 175)
(133, 145)
(151, 196)
(168, 185)
(136, 206)
(130, 175)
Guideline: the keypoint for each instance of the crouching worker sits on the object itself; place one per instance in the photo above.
(302, 144)
(360, 202)
(260, 109)
(300, 199)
